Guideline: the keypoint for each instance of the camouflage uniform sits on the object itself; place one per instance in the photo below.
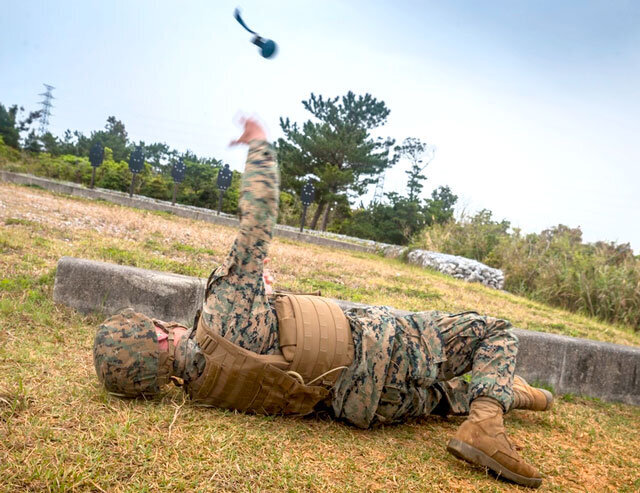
(406, 365)
(403, 366)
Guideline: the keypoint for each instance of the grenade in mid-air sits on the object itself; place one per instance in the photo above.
(267, 47)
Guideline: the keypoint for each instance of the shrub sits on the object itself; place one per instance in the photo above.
(554, 267)
(471, 237)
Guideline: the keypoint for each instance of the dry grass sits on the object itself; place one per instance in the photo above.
(59, 431)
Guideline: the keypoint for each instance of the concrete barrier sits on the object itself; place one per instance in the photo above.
(596, 369)
(90, 286)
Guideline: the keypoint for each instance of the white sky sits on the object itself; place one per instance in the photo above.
(533, 106)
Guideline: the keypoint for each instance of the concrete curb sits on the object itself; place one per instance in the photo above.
(579, 366)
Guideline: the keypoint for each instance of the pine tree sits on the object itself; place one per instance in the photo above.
(419, 154)
(337, 147)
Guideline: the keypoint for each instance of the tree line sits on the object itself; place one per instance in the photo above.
(335, 147)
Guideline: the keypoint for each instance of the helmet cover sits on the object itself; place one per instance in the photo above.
(126, 354)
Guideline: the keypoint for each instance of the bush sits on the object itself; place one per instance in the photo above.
(554, 267)
(290, 210)
(472, 237)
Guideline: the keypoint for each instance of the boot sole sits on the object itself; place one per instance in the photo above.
(471, 454)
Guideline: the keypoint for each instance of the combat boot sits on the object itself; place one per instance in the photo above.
(482, 440)
(532, 398)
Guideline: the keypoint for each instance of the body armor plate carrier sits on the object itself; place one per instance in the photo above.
(315, 338)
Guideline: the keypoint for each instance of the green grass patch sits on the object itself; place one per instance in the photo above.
(151, 244)
(119, 256)
(20, 283)
(421, 294)
(182, 247)
(333, 289)
(165, 214)
(10, 221)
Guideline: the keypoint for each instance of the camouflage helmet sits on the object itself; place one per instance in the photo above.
(126, 355)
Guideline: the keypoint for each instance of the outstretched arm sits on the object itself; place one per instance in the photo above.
(258, 204)
(236, 305)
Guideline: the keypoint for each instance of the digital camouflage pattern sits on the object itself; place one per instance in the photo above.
(189, 361)
(456, 397)
(125, 354)
(487, 347)
(403, 367)
(236, 305)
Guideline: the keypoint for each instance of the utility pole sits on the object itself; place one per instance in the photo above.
(46, 108)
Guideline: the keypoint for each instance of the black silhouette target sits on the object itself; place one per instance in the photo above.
(224, 182)
(136, 160)
(136, 165)
(224, 178)
(307, 197)
(96, 155)
(178, 171)
(308, 194)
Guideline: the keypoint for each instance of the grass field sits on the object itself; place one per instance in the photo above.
(59, 431)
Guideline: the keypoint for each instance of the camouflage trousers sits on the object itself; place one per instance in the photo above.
(484, 346)
(466, 356)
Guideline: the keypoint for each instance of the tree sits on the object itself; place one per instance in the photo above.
(337, 147)
(11, 127)
(159, 155)
(32, 142)
(113, 136)
(419, 154)
(51, 144)
(8, 128)
(440, 206)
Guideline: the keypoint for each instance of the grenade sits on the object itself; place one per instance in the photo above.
(267, 47)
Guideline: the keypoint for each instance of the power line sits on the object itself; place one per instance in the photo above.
(46, 108)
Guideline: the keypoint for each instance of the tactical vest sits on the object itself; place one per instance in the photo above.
(315, 338)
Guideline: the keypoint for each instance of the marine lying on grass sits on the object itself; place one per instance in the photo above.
(296, 354)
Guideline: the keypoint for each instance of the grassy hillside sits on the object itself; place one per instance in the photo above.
(60, 431)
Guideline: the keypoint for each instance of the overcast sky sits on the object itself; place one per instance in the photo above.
(533, 106)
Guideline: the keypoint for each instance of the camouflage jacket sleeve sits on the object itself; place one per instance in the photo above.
(236, 305)
(258, 206)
